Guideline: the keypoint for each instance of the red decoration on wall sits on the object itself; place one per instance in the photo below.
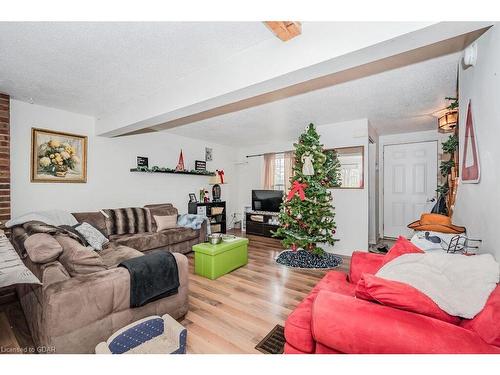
(221, 175)
(470, 159)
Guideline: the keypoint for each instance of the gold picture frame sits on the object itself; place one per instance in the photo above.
(58, 157)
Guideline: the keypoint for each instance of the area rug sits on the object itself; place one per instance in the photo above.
(274, 342)
(308, 260)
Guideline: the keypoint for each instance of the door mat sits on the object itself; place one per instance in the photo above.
(274, 342)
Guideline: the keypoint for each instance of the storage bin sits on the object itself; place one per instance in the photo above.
(213, 261)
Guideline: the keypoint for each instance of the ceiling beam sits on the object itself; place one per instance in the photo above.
(285, 30)
(219, 91)
(434, 50)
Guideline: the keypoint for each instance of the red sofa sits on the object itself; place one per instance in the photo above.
(332, 320)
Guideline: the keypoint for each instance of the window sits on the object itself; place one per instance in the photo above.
(278, 169)
(279, 172)
(351, 166)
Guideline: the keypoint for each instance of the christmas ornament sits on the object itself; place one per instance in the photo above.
(307, 165)
(297, 188)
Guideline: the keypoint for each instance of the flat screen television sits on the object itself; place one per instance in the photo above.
(267, 200)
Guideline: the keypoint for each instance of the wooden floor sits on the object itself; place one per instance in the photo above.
(233, 313)
(228, 315)
(15, 337)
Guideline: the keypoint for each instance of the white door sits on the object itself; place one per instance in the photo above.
(410, 181)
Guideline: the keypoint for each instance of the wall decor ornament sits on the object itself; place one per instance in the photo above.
(58, 156)
(180, 165)
(142, 161)
(208, 154)
(471, 172)
(200, 165)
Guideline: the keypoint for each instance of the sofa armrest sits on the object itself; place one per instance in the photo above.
(81, 300)
(364, 262)
(203, 232)
(351, 325)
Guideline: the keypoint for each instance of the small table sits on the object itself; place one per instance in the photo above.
(213, 261)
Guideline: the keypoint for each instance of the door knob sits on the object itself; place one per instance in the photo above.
(431, 200)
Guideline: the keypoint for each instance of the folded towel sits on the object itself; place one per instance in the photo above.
(152, 276)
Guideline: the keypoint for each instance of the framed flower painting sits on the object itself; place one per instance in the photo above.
(58, 157)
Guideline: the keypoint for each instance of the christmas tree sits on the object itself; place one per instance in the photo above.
(306, 216)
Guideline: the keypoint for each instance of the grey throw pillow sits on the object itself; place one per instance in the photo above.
(92, 235)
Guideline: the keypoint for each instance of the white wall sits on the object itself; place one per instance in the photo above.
(351, 205)
(478, 205)
(373, 188)
(110, 183)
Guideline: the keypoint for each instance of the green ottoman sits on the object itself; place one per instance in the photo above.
(213, 261)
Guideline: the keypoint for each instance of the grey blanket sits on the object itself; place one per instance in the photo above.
(193, 221)
(152, 276)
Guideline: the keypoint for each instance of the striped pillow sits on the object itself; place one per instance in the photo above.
(128, 220)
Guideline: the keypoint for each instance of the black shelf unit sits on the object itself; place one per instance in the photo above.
(257, 223)
(217, 221)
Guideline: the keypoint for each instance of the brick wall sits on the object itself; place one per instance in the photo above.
(4, 159)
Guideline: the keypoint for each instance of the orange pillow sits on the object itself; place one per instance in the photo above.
(401, 296)
(401, 247)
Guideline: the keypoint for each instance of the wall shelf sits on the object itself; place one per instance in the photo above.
(175, 172)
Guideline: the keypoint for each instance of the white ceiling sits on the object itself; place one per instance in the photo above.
(93, 68)
(96, 68)
(395, 101)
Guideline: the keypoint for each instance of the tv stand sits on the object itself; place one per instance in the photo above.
(258, 223)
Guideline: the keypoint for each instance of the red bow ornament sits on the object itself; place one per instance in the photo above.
(297, 188)
(221, 175)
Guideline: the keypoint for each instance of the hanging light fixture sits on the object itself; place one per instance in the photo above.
(449, 121)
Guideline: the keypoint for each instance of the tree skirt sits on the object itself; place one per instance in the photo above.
(305, 259)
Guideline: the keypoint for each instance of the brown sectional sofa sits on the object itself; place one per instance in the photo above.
(177, 240)
(73, 314)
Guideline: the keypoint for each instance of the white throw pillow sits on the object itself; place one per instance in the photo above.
(165, 222)
(92, 235)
